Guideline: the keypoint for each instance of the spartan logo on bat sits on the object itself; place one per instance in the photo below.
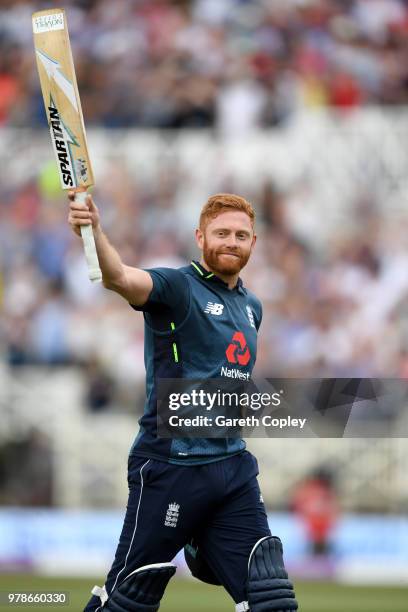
(62, 139)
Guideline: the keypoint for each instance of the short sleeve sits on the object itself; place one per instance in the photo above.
(170, 293)
(259, 316)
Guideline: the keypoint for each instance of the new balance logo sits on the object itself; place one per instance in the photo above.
(172, 515)
(215, 309)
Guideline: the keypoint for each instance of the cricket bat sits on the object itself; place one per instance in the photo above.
(64, 114)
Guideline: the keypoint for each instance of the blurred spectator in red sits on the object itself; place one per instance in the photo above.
(345, 91)
(8, 95)
(315, 502)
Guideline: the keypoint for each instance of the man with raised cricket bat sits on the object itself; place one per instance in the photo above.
(198, 494)
(202, 495)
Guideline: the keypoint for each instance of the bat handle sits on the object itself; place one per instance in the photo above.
(94, 271)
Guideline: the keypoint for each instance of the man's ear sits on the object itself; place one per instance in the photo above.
(199, 236)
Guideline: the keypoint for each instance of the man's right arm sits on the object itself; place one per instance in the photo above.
(133, 284)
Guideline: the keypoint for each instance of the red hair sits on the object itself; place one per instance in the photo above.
(223, 202)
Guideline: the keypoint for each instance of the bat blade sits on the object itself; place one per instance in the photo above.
(64, 113)
(61, 98)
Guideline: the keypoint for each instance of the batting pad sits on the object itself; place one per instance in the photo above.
(268, 586)
(140, 591)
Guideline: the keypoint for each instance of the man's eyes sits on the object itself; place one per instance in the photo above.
(240, 236)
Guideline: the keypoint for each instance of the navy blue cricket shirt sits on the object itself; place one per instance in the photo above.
(195, 327)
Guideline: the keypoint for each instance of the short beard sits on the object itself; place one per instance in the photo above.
(225, 266)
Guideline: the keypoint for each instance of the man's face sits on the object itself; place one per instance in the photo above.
(227, 242)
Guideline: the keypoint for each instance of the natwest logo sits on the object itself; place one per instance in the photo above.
(238, 351)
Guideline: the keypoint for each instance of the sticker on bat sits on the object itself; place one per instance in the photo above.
(48, 23)
(81, 169)
(62, 140)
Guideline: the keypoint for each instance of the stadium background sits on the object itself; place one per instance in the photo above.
(300, 107)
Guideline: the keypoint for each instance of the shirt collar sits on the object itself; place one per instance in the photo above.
(211, 277)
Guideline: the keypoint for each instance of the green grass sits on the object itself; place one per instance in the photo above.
(193, 596)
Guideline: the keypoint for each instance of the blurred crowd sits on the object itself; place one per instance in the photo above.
(237, 65)
(338, 311)
(232, 64)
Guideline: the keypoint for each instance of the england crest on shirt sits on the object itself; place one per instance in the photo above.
(250, 316)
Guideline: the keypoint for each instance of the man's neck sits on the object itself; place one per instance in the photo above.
(231, 280)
